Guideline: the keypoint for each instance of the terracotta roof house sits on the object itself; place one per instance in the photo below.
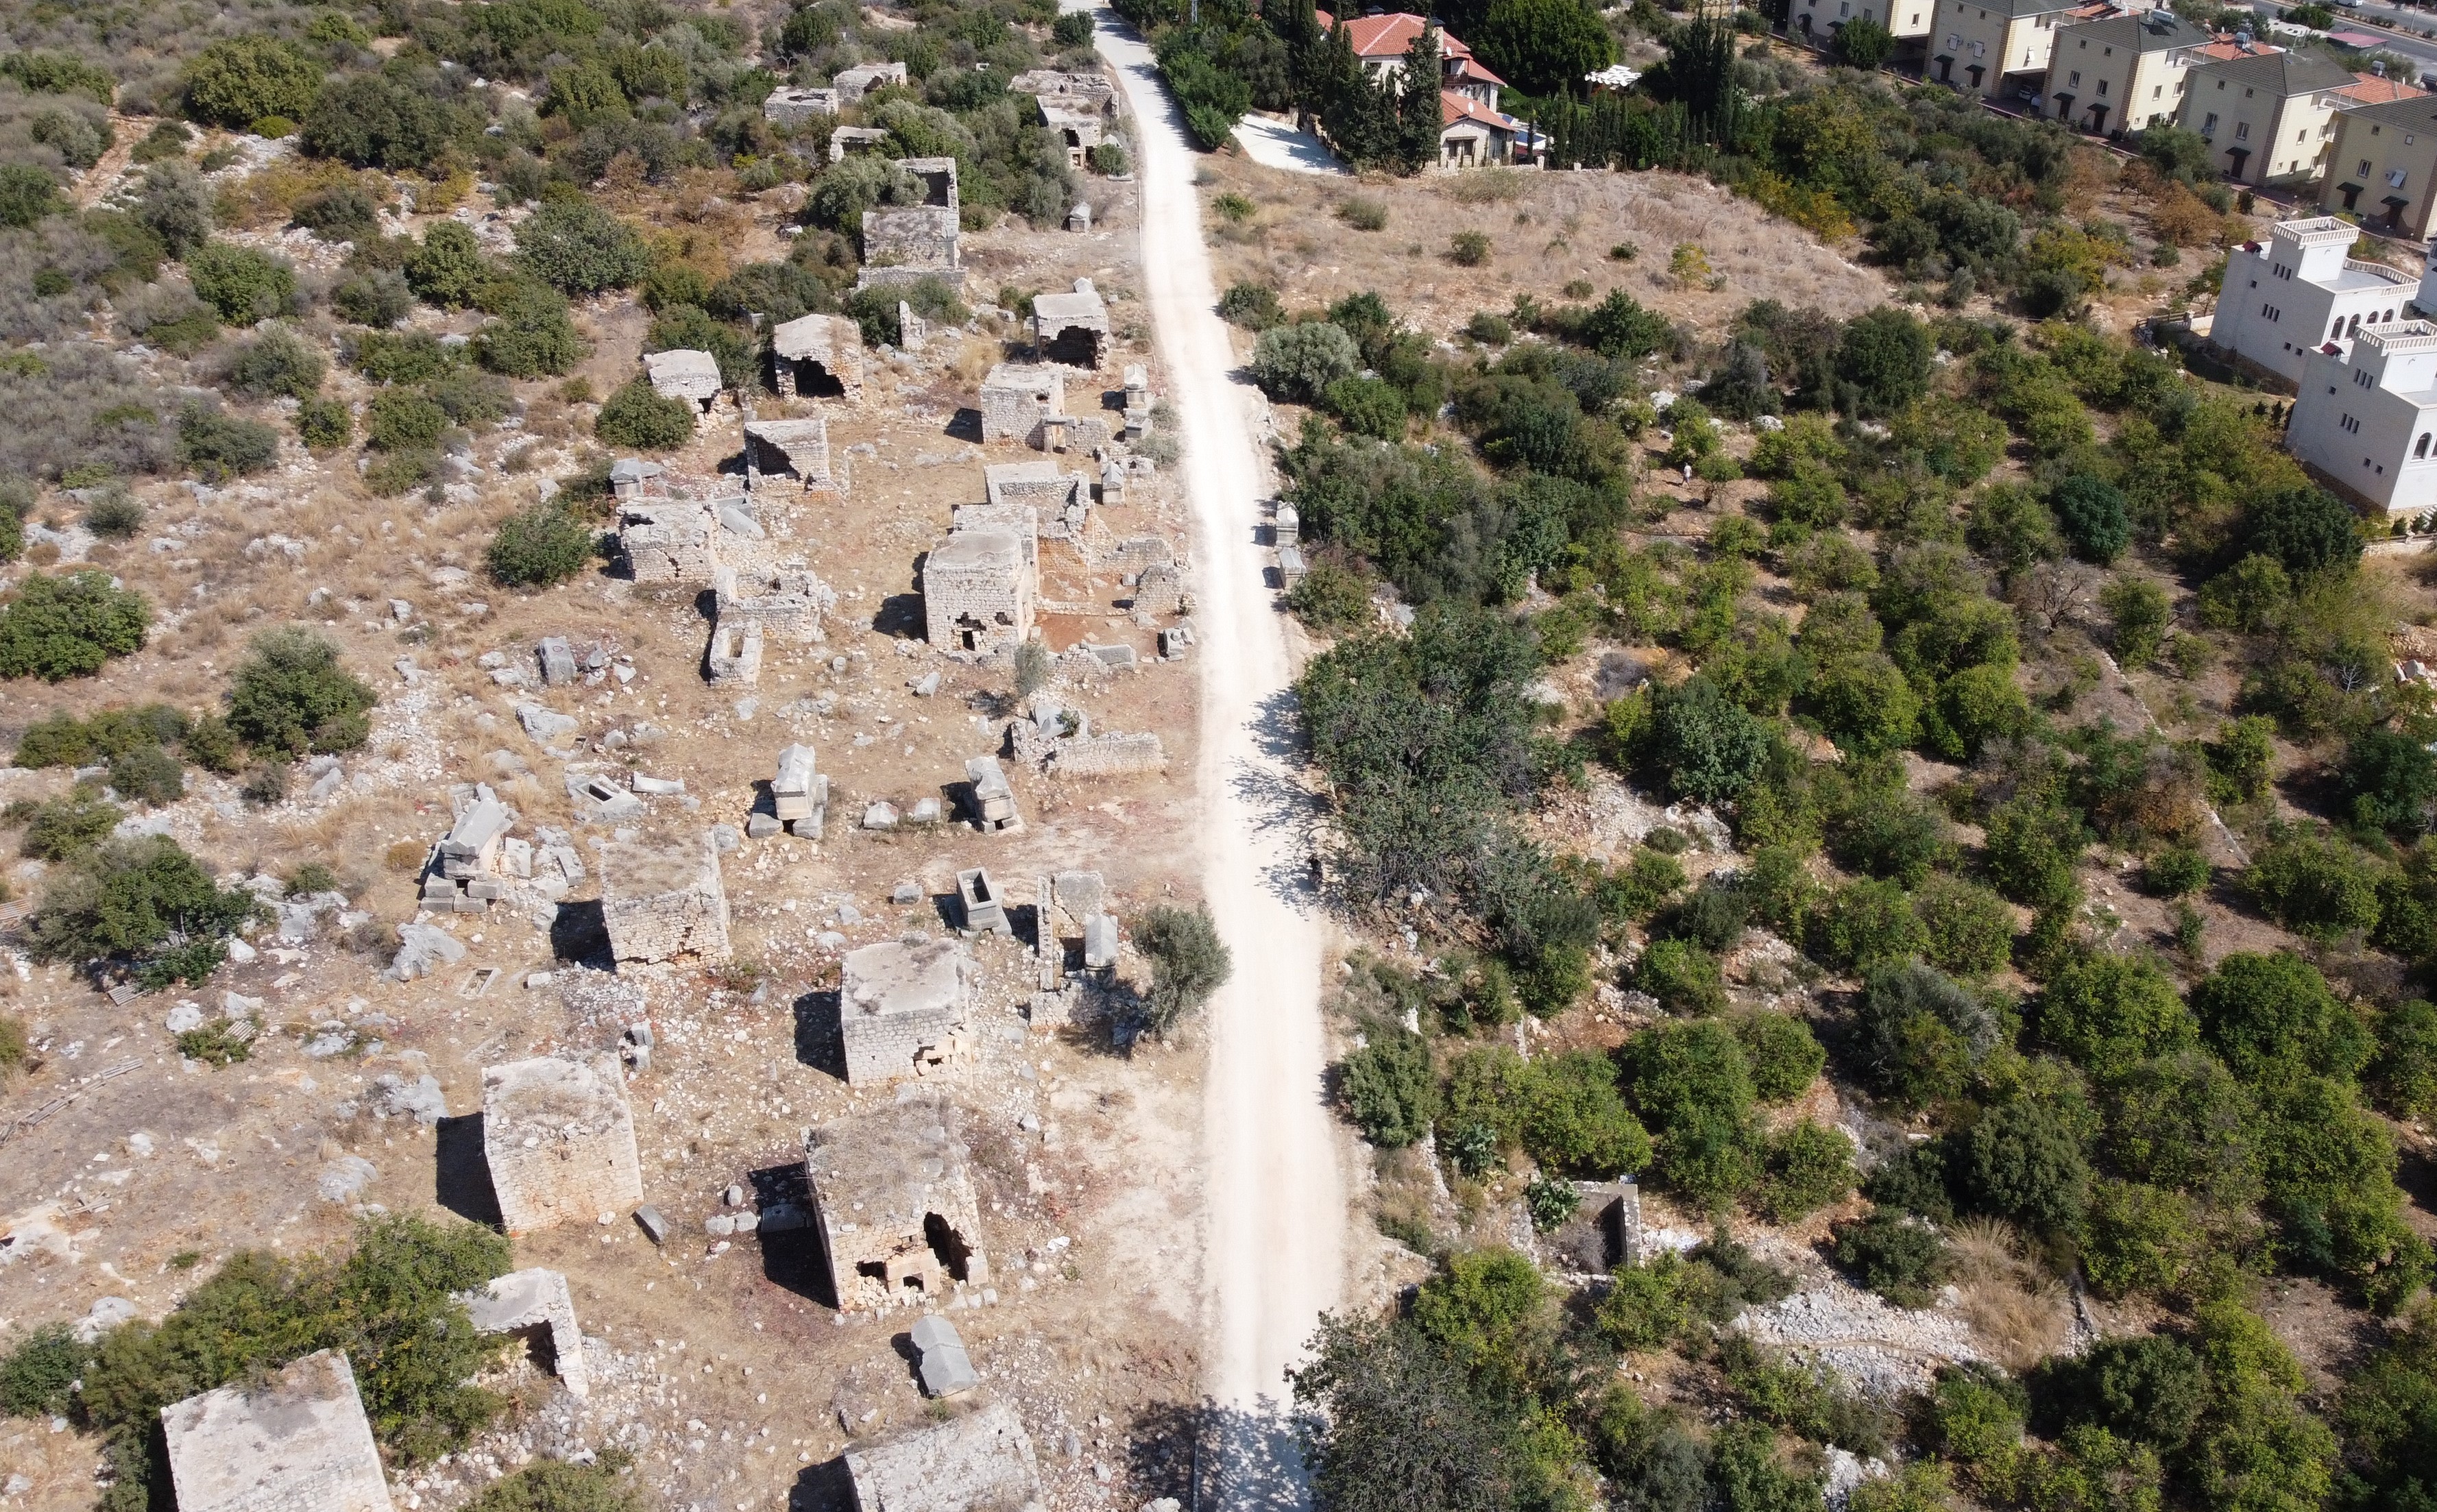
(1475, 132)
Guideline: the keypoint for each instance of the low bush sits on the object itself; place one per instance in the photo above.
(1331, 600)
(1297, 363)
(1785, 1057)
(219, 446)
(136, 899)
(324, 425)
(1892, 1254)
(1254, 306)
(277, 363)
(1804, 1169)
(1188, 964)
(638, 419)
(537, 546)
(241, 284)
(37, 1377)
(58, 828)
(1682, 976)
(291, 695)
(68, 624)
(1389, 1087)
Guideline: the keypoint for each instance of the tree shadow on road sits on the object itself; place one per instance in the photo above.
(1277, 804)
(1206, 1455)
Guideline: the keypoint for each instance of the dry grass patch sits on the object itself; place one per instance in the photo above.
(2019, 1312)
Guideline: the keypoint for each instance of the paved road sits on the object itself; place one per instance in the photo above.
(1276, 1206)
(2349, 18)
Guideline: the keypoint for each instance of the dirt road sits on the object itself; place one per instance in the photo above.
(1276, 1213)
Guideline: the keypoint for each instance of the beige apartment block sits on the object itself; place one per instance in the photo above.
(2383, 165)
(2122, 73)
(2268, 116)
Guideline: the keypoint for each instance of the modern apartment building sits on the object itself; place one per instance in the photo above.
(2122, 73)
(2382, 166)
(1999, 49)
(1908, 21)
(2285, 297)
(2366, 418)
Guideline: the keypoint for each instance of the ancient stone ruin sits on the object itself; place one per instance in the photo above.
(789, 105)
(470, 867)
(819, 356)
(661, 898)
(848, 139)
(893, 1205)
(854, 84)
(1160, 590)
(1061, 742)
(689, 376)
(902, 1008)
(733, 658)
(1137, 401)
(984, 910)
(668, 540)
(297, 1442)
(978, 592)
(992, 799)
(634, 478)
(1079, 107)
(1285, 526)
(979, 1463)
(800, 798)
(535, 1305)
(1072, 329)
(945, 1367)
(1017, 397)
(1061, 500)
(559, 1140)
(800, 448)
(787, 604)
(904, 244)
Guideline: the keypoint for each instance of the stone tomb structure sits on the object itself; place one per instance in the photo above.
(788, 105)
(979, 592)
(669, 540)
(1017, 397)
(661, 898)
(559, 1140)
(1072, 329)
(1062, 500)
(902, 1008)
(993, 801)
(535, 1304)
(689, 376)
(906, 243)
(787, 605)
(800, 796)
(893, 1205)
(979, 1463)
(299, 1442)
(800, 448)
(848, 139)
(854, 84)
(818, 356)
(472, 866)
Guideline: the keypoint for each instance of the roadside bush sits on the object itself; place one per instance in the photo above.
(539, 546)
(1389, 1087)
(1188, 964)
(1895, 1256)
(578, 248)
(1330, 600)
(242, 285)
(291, 694)
(1254, 306)
(277, 363)
(68, 624)
(1783, 1054)
(1297, 363)
(636, 418)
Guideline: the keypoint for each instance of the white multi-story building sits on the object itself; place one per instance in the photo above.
(2285, 297)
(2366, 419)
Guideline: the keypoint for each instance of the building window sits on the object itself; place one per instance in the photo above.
(2362, 171)
(2073, 78)
(2242, 130)
(2351, 426)
(2336, 333)
(2421, 449)
(2210, 125)
(2395, 178)
(2102, 88)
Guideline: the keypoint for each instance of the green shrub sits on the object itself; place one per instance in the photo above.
(277, 363)
(1389, 1087)
(2271, 1015)
(1867, 924)
(149, 775)
(533, 335)
(2105, 1011)
(26, 195)
(291, 694)
(36, 1376)
(2176, 871)
(1650, 1304)
(2138, 1239)
(636, 418)
(376, 297)
(1188, 964)
(578, 248)
(1331, 600)
(241, 284)
(448, 268)
(1710, 747)
(1782, 1053)
(237, 81)
(1641, 887)
(2405, 1072)
(1367, 406)
(1684, 978)
(1892, 1254)
(2033, 847)
(404, 420)
(1297, 363)
(537, 546)
(2092, 513)
(324, 425)
(1573, 1119)
(2390, 782)
(2023, 1161)
(1469, 248)
(1971, 932)
(1254, 306)
(128, 898)
(68, 624)
(58, 828)
(1804, 1169)
(219, 446)
(116, 515)
(555, 1486)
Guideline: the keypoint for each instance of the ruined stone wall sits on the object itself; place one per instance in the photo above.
(988, 597)
(560, 1142)
(673, 544)
(221, 1444)
(1108, 756)
(661, 899)
(1016, 399)
(883, 1047)
(788, 604)
(911, 240)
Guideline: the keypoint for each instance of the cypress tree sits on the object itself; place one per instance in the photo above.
(1418, 105)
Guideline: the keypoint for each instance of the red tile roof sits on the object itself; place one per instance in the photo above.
(2372, 90)
(2219, 51)
(1389, 36)
(1454, 107)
